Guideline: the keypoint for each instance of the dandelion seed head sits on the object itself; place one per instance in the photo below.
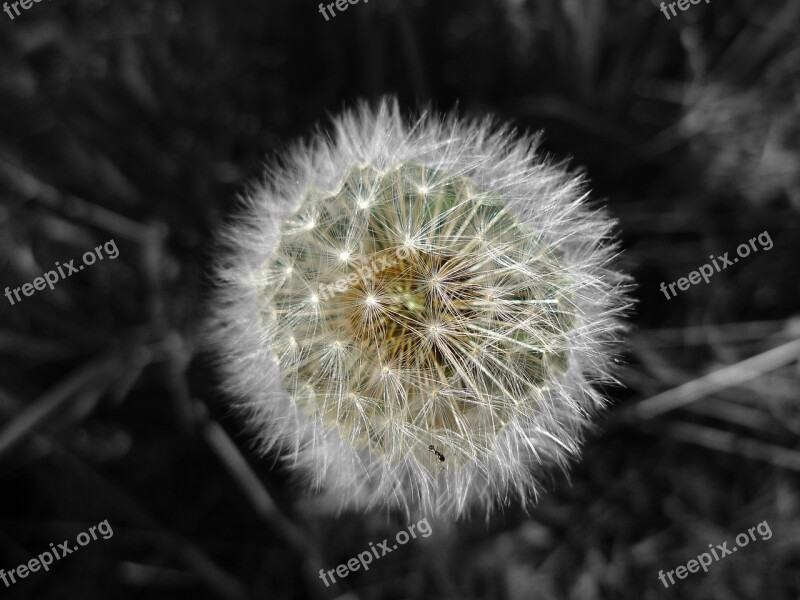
(487, 310)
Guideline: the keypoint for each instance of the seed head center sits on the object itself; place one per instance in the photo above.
(431, 308)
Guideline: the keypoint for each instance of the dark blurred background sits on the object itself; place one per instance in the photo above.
(142, 121)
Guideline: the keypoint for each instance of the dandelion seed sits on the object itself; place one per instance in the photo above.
(491, 310)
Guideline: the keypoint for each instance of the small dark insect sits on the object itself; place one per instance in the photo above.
(438, 454)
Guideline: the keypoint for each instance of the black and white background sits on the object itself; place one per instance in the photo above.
(142, 121)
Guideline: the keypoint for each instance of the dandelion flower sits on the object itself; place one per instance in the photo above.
(414, 313)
